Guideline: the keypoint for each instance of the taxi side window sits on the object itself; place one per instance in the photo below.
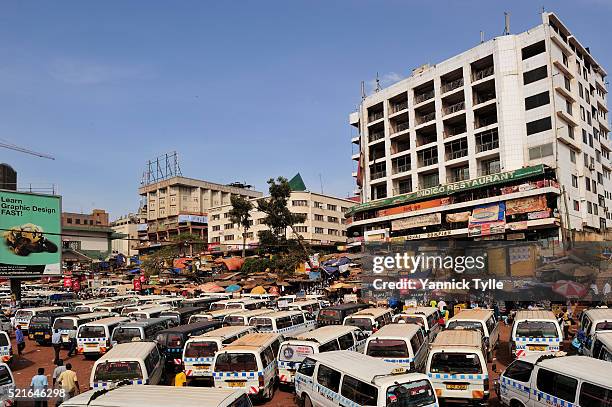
(329, 378)
(297, 319)
(520, 371)
(490, 324)
(416, 343)
(595, 396)
(346, 341)
(359, 392)
(307, 367)
(557, 385)
(329, 346)
(587, 325)
(597, 348)
(360, 336)
(275, 346)
(267, 356)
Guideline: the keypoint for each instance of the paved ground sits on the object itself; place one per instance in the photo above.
(36, 356)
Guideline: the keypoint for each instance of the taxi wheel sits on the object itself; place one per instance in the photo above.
(515, 403)
(307, 401)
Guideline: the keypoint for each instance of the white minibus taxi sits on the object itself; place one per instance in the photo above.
(325, 339)
(7, 386)
(481, 319)
(87, 306)
(249, 364)
(311, 307)
(135, 362)
(283, 322)
(94, 338)
(343, 378)
(535, 331)
(219, 305)
(152, 312)
(199, 351)
(6, 349)
(243, 317)
(565, 381)
(24, 315)
(116, 307)
(160, 396)
(402, 344)
(68, 325)
(601, 346)
(245, 304)
(593, 321)
(457, 367)
(217, 315)
(369, 320)
(427, 317)
(140, 330)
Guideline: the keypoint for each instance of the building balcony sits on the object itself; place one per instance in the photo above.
(452, 85)
(426, 118)
(457, 107)
(378, 175)
(560, 66)
(372, 117)
(604, 125)
(453, 155)
(354, 119)
(400, 127)
(491, 145)
(482, 73)
(398, 169)
(422, 97)
(355, 139)
(563, 91)
(398, 107)
(426, 162)
(373, 137)
(568, 118)
(494, 169)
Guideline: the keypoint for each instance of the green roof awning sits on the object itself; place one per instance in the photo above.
(297, 183)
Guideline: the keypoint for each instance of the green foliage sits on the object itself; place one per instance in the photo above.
(161, 259)
(241, 215)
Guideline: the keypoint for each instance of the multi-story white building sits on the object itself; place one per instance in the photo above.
(520, 121)
(127, 226)
(324, 225)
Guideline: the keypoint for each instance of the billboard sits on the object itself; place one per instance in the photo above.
(30, 242)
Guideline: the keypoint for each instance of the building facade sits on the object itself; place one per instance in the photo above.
(181, 205)
(517, 125)
(325, 223)
(8, 177)
(127, 227)
(98, 217)
(86, 237)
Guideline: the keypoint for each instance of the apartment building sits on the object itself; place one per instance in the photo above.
(127, 227)
(325, 223)
(508, 138)
(86, 237)
(98, 217)
(180, 205)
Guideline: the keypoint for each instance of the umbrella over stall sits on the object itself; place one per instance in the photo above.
(569, 289)
(233, 288)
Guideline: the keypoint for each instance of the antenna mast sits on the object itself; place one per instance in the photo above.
(506, 23)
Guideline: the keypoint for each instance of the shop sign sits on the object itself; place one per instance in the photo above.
(526, 205)
(416, 221)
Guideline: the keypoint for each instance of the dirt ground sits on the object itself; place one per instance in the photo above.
(36, 356)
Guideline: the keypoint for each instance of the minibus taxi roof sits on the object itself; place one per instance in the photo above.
(190, 327)
(301, 302)
(584, 367)
(224, 332)
(535, 315)
(370, 312)
(599, 313)
(128, 351)
(281, 314)
(395, 331)
(154, 395)
(476, 314)
(324, 334)
(253, 342)
(107, 321)
(458, 338)
(251, 312)
(366, 368)
(86, 315)
(144, 322)
(419, 311)
(605, 338)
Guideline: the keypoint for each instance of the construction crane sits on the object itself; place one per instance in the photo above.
(10, 146)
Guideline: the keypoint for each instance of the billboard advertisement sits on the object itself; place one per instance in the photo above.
(31, 241)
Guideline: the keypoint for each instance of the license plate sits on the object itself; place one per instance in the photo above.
(235, 384)
(91, 345)
(537, 348)
(456, 387)
(201, 367)
(38, 333)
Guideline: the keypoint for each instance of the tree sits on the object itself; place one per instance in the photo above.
(279, 218)
(241, 215)
(162, 258)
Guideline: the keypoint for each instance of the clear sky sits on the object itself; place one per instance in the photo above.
(242, 90)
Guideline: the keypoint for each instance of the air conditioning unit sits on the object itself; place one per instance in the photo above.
(592, 167)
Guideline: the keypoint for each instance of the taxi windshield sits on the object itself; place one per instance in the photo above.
(387, 348)
(536, 329)
(114, 371)
(412, 394)
(201, 349)
(364, 323)
(455, 363)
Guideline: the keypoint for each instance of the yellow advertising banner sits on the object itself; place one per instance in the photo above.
(526, 205)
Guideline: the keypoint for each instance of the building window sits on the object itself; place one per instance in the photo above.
(318, 204)
(573, 156)
(216, 217)
(228, 226)
(533, 50)
(68, 220)
(587, 183)
(538, 126)
(343, 209)
(541, 151)
(216, 239)
(301, 229)
(331, 207)
(299, 203)
(216, 228)
(589, 208)
(77, 221)
(332, 219)
(248, 235)
(535, 75)
(576, 205)
(489, 167)
(228, 237)
(333, 232)
(574, 181)
(226, 215)
(261, 221)
(318, 218)
(319, 231)
(538, 100)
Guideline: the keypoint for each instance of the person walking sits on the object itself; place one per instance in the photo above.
(73, 343)
(39, 385)
(59, 369)
(20, 340)
(56, 341)
(69, 383)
